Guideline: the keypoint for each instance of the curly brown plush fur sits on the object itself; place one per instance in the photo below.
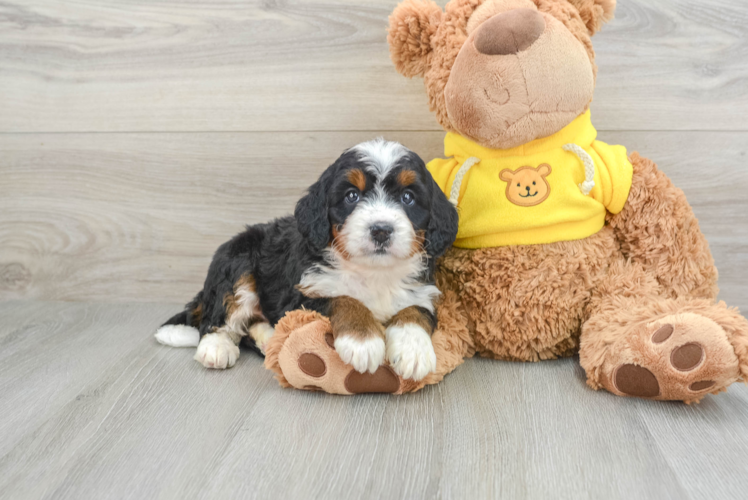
(637, 300)
(424, 41)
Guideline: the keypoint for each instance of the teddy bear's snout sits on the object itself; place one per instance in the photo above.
(510, 32)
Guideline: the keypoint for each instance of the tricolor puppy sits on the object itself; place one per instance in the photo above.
(360, 249)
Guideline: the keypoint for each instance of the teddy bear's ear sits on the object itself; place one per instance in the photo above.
(412, 24)
(506, 175)
(595, 13)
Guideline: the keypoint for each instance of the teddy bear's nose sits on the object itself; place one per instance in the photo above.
(510, 32)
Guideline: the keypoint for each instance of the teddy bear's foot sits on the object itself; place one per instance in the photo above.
(691, 355)
(681, 356)
(319, 367)
(303, 355)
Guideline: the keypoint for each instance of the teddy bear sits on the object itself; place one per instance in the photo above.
(566, 245)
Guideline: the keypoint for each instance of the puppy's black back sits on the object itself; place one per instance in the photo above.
(274, 254)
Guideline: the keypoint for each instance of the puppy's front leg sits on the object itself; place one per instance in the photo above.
(409, 347)
(359, 337)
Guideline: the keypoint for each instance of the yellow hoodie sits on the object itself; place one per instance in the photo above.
(541, 192)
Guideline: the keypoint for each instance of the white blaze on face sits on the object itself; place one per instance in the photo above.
(377, 208)
(378, 211)
(380, 156)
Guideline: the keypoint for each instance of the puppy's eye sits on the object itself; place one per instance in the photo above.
(351, 197)
(407, 198)
(533, 183)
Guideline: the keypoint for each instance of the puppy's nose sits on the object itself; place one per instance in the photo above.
(381, 232)
(510, 32)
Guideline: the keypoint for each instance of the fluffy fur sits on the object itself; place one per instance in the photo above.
(409, 351)
(364, 355)
(605, 296)
(432, 50)
(178, 336)
(360, 248)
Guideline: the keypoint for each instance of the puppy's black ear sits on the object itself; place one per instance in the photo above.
(442, 229)
(311, 214)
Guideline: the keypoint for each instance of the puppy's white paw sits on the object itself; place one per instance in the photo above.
(217, 350)
(410, 351)
(362, 354)
(261, 334)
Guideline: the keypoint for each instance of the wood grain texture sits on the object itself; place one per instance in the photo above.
(138, 135)
(136, 217)
(294, 65)
(92, 407)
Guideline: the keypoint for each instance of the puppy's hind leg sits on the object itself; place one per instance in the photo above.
(261, 333)
(219, 349)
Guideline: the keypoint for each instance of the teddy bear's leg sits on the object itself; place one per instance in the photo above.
(637, 343)
(658, 229)
(302, 354)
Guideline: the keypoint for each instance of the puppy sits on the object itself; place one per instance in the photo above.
(360, 249)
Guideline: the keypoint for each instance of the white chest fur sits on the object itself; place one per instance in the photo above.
(384, 290)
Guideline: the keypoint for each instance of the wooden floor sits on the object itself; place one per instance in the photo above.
(137, 135)
(92, 408)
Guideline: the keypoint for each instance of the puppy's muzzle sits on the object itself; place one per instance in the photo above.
(381, 234)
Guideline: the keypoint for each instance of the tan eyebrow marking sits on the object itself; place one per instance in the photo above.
(357, 178)
(406, 177)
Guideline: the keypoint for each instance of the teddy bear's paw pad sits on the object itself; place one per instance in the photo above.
(312, 365)
(681, 357)
(687, 357)
(384, 380)
(662, 334)
(636, 381)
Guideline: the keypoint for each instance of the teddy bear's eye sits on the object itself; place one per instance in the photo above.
(533, 183)
(518, 184)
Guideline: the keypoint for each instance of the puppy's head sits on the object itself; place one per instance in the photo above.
(376, 204)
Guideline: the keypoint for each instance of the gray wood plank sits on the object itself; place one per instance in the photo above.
(50, 349)
(696, 443)
(91, 407)
(297, 65)
(145, 421)
(136, 217)
(101, 384)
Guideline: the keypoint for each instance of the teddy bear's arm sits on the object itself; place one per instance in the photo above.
(658, 229)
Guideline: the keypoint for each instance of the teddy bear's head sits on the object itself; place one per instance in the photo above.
(501, 72)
